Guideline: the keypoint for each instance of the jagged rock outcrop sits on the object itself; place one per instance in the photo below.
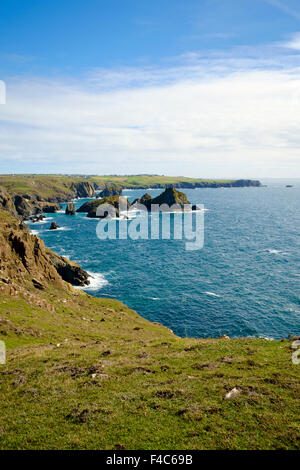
(54, 226)
(86, 207)
(143, 201)
(70, 209)
(25, 207)
(91, 207)
(7, 202)
(69, 270)
(83, 189)
(48, 208)
(26, 261)
(170, 197)
(111, 190)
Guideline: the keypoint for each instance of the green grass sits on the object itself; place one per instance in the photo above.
(152, 390)
(58, 186)
(148, 181)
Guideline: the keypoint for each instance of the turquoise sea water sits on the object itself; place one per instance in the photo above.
(244, 282)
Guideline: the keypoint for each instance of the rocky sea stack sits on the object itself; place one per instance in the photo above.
(107, 204)
(170, 198)
(54, 226)
(70, 209)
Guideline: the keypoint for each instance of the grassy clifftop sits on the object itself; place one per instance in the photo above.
(49, 187)
(87, 373)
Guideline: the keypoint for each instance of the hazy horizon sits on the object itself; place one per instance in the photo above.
(202, 87)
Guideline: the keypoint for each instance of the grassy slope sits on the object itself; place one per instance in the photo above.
(49, 186)
(46, 186)
(150, 180)
(151, 389)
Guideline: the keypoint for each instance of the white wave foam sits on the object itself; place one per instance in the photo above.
(34, 232)
(212, 294)
(272, 251)
(40, 222)
(97, 281)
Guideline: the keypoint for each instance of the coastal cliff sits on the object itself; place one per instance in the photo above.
(90, 373)
(63, 188)
(23, 255)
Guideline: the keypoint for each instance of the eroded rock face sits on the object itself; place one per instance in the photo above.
(170, 197)
(49, 208)
(91, 207)
(69, 270)
(70, 209)
(24, 257)
(6, 202)
(83, 189)
(111, 190)
(24, 207)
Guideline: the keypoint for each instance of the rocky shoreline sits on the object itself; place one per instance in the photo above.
(31, 207)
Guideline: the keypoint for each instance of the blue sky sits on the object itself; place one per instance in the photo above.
(196, 87)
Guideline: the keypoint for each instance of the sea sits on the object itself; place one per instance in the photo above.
(244, 282)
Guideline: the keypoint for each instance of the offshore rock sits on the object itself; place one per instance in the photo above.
(169, 198)
(70, 209)
(54, 226)
(144, 201)
(108, 203)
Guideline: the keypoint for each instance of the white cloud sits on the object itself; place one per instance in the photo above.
(293, 43)
(214, 116)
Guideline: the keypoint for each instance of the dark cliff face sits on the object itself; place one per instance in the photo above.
(25, 206)
(83, 189)
(7, 202)
(23, 255)
(69, 270)
(111, 190)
